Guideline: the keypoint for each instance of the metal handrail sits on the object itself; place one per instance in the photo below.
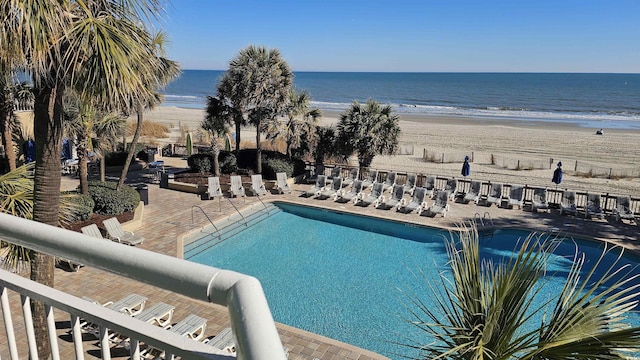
(487, 215)
(478, 219)
(238, 211)
(263, 204)
(207, 216)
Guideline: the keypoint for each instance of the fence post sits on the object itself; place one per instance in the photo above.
(610, 170)
(424, 154)
(442, 158)
(518, 167)
(550, 162)
(472, 156)
(575, 168)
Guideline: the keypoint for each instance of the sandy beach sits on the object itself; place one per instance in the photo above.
(535, 146)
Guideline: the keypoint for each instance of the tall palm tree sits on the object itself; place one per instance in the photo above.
(11, 92)
(301, 121)
(218, 116)
(370, 129)
(259, 81)
(98, 48)
(228, 91)
(482, 307)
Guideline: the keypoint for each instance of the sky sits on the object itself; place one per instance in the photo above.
(411, 36)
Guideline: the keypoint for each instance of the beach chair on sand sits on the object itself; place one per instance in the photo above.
(372, 178)
(515, 197)
(330, 190)
(319, 186)
(623, 209)
(389, 181)
(236, 189)
(353, 194)
(281, 183)
(495, 194)
(429, 184)
(440, 206)
(213, 188)
(117, 233)
(539, 200)
(474, 192)
(451, 187)
(417, 203)
(353, 175)
(410, 184)
(568, 203)
(396, 196)
(593, 207)
(257, 185)
(375, 195)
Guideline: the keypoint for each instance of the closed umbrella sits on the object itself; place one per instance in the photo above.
(466, 169)
(557, 175)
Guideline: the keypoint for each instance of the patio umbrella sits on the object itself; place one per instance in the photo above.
(29, 151)
(466, 169)
(557, 175)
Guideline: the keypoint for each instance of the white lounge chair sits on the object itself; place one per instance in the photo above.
(159, 314)
(191, 326)
(429, 184)
(335, 172)
(410, 184)
(257, 185)
(417, 203)
(317, 171)
(330, 190)
(593, 207)
(372, 178)
(353, 175)
(474, 192)
(389, 181)
(131, 305)
(354, 193)
(320, 184)
(495, 194)
(440, 206)
(225, 341)
(213, 188)
(281, 183)
(623, 209)
(92, 230)
(236, 189)
(397, 194)
(451, 187)
(539, 200)
(516, 196)
(375, 195)
(568, 203)
(117, 233)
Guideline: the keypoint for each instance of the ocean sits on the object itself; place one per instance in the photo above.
(608, 101)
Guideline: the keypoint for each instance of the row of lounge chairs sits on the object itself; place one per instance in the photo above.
(115, 232)
(236, 188)
(160, 314)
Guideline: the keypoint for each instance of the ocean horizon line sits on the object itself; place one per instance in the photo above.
(444, 72)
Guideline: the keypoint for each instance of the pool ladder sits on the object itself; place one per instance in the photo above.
(239, 213)
(484, 225)
(207, 216)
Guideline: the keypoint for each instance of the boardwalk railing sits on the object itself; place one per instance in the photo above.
(252, 323)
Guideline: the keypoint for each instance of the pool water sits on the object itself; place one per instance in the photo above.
(353, 285)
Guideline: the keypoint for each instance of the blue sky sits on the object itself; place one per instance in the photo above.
(421, 35)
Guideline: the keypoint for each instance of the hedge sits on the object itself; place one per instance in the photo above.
(108, 201)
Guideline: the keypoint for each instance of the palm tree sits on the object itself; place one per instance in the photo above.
(482, 306)
(218, 116)
(100, 49)
(258, 82)
(10, 93)
(227, 91)
(301, 121)
(369, 130)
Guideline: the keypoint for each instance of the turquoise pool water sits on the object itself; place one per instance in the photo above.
(350, 277)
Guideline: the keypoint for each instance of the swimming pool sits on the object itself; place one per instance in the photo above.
(347, 277)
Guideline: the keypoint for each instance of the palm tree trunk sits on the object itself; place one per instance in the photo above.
(238, 128)
(7, 136)
(258, 150)
(46, 193)
(215, 147)
(132, 147)
(84, 173)
(103, 167)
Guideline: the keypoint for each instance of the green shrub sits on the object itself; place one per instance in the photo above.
(201, 163)
(108, 201)
(115, 159)
(272, 166)
(228, 163)
(247, 160)
(143, 155)
(82, 205)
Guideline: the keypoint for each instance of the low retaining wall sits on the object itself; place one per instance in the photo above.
(136, 222)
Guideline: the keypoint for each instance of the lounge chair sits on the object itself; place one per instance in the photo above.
(375, 195)
(159, 314)
(353, 194)
(353, 175)
(429, 184)
(335, 172)
(417, 203)
(191, 326)
(372, 178)
(474, 192)
(495, 194)
(389, 181)
(257, 185)
(92, 230)
(225, 341)
(623, 209)
(440, 206)
(132, 304)
(319, 186)
(539, 200)
(213, 188)
(451, 187)
(281, 183)
(516, 196)
(397, 194)
(568, 203)
(236, 189)
(593, 207)
(117, 233)
(330, 190)
(318, 170)
(410, 184)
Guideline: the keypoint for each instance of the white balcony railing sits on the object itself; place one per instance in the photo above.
(252, 323)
